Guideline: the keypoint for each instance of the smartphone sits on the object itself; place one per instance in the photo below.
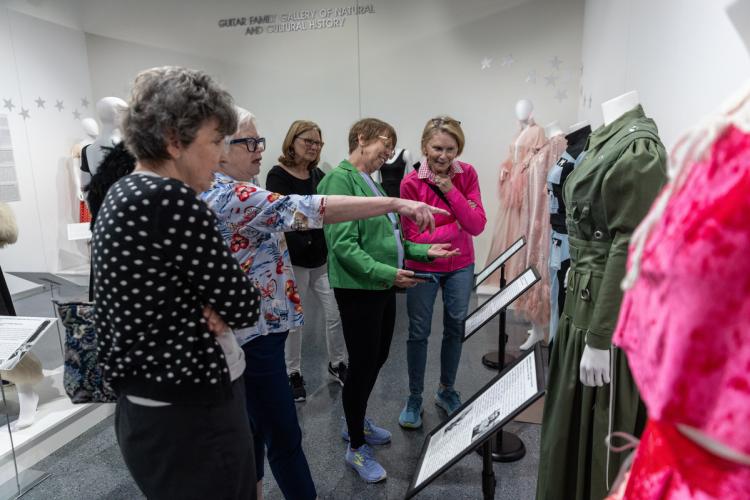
(425, 276)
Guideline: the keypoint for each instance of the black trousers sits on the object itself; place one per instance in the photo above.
(189, 451)
(367, 318)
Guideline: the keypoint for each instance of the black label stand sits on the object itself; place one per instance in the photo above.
(478, 419)
(506, 447)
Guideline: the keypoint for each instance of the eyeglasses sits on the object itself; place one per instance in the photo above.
(444, 120)
(311, 142)
(387, 141)
(251, 143)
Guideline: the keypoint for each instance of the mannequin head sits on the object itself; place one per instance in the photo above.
(108, 109)
(524, 107)
(244, 149)
(302, 145)
(90, 127)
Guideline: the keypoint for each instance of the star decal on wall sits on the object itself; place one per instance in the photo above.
(531, 76)
(486, 63)
(76, 114)
(40, 102)
(550, 80)
(59, 105)
(24, 113)
(555, 62)
(561, 95)
(8, 104)
(508, 60)
(84, 102)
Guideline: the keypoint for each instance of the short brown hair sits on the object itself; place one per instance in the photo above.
(445, 124)
(370, 129)
(296, 129)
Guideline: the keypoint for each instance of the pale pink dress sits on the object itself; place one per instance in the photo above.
(685, 326)
(534, 305)
(512, 219)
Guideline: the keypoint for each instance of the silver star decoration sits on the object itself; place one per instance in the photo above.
(550, 80)
(76, 114)
(85, 102)
(486, 63)
(40, 102)
(508, 60)
(59, 105)
(531, 77)
(8, 104)
(561, 95)
(555, 62)
(24, 113)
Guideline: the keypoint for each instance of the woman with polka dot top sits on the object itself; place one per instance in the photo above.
(167, 290)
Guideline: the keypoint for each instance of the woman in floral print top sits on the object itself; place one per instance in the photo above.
(252, 222)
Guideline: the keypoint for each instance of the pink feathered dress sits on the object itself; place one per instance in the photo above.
(512, 219)
(685, 326)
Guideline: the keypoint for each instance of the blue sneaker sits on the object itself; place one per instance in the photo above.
(448, 399)
(363, 461)
(374, 435)
(411, 415)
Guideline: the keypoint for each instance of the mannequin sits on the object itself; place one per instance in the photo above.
(81, 178)
(107, 110)
(534, 304)
(559, 261)
(25, 375)
(512, 220)
(8, 236)
(595, 362)
(393, 170)
(591, 392)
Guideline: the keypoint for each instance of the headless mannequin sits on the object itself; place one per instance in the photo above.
(408, 160)
(595, 363)
(26, 374)
(108, 110)
(91, 128)
(553, 129)
(578, 126)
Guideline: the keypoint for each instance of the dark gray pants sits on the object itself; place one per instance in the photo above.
(189, 451)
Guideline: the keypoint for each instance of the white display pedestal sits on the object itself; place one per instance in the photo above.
(57, 422)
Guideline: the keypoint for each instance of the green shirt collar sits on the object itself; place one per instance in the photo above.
(605, 133)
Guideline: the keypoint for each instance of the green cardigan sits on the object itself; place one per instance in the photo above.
(362, 253)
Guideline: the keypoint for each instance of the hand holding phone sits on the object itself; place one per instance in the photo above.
(425, 277)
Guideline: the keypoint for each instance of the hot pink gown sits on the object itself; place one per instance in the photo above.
(685, 326)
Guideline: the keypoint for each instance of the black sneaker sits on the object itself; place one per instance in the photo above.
(298, 387)
(339, 373)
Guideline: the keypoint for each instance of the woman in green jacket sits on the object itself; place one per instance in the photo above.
(364, 265)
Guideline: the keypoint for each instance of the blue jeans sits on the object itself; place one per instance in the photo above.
(273, 417)
(420, 301)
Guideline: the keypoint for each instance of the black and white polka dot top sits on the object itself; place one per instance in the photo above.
(158, 258)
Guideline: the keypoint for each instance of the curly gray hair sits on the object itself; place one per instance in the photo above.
(172, 101)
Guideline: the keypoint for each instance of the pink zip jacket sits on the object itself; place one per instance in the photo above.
(457, 228)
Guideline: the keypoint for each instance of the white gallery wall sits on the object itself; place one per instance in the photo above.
(684, 57)
(45, 90)
(403, 62)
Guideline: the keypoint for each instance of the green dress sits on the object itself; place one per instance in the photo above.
(607, 196)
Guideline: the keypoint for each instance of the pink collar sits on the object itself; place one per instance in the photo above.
(424, 171)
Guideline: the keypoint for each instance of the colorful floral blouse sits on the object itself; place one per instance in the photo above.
(252, 221)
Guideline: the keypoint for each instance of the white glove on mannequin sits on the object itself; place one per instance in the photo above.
(594, 368)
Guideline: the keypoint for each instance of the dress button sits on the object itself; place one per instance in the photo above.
(585, 294)
(598, 235)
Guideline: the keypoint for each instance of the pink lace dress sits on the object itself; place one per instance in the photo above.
(685, 326)
(512, 219)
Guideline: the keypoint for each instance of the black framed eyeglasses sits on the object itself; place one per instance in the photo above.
(311, 142)
(251, 143)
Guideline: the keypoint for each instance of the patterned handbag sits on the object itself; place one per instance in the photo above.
(82, 376)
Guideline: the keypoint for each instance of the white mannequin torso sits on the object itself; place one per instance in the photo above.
(618, 106)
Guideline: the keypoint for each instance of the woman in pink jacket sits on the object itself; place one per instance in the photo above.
(439, 179)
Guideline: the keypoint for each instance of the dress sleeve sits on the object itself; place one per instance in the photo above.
(628, 190)
(187, 230)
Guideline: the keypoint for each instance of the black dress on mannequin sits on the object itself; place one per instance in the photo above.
(392, 172)
(6, 304)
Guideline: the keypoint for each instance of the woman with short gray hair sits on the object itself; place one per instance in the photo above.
(167, 290)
